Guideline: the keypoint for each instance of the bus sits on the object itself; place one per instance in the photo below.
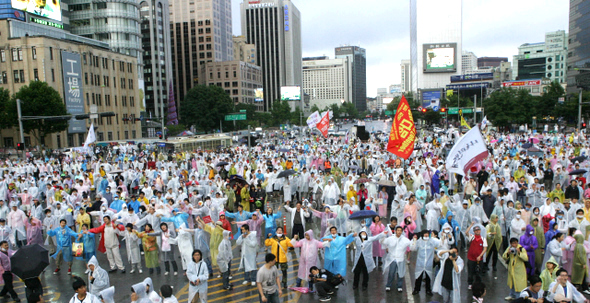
(205, 142)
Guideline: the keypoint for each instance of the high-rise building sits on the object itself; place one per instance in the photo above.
(88, 76)
(156, 56)
(239, 79)
(201, 32)
(490, 61)
(327, 81)
(578, 58)
(243, 51)
(111, 21)
(435, 42)
(406, 71)
(274, 26)
(468, 62)
(542, 60)
(357, 56)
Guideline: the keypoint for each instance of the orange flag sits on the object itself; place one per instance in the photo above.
(403, 131)
(324, 124)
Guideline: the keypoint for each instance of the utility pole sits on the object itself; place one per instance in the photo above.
(162, 119)
(580, 111)
(474, 109)
(20, 125)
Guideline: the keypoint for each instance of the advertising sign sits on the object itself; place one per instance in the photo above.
(468, 86)
(259, 94)
(387, 100)
(440, 57)
(45, 8)
(522, 83)
(73, 94)
(472, 77)
(290, 93)
(431, 99)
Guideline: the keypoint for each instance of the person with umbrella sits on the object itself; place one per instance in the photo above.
(5, 255)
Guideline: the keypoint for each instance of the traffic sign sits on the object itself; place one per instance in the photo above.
(457, 110)
(242, 110)
(389, 112)
(235, 117)
(435, 108)
(419, 108)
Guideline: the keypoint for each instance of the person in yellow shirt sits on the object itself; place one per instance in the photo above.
(83, 218)
(245, 194)
(351, 194)
(586, 208)
(279, 246)
(557, 193)
(142, 199)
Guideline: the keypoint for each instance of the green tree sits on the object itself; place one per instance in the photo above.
(335, 109)
(38, 99)
(251, 116)
(315, 108)
(296, 117)
(507, 106)
(569, 109)
(281, 112)
(548, 101)
(349, 110)
(204, 106)
(5, 118)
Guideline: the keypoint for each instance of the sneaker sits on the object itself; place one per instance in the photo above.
(245, 282)
(166, 273)
(56, 271)
(140, 271)
(587, 291)
(69, 271)
(230, 277)
(142, 253)
(176, 273)
(253, 283)
(336, 286)
(469, 287)
(325, 299)
(399, 290)
(415, 292)
(387, 289)
(429, 293)
(113, 270)
(331, 292)
(229, 288)
(123, 270)
(509, 298)
(218, 276)
(132, 270)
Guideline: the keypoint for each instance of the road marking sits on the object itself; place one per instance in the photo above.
(408, 285)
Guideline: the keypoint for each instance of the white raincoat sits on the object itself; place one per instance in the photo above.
(108, 295)
(151, 293)
(142, 296)
(249, 245)
(425, 256)
(366, 249)
(396, 252)
(456, 294)
(185, 245)
(224, 253)
(101, 278)
(197, 271)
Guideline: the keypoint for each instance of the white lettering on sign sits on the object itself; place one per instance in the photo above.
(262, 5)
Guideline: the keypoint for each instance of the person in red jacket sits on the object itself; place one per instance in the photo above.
(109, 242)
(477, 248)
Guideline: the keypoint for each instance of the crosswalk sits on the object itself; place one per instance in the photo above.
(48, 294)
(242, 293)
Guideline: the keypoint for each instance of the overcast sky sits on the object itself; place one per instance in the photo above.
(492, 28)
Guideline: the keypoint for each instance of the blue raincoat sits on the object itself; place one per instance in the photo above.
(335, 255)
(454, 224)
(117, 205)
(89, 246)
(178, 220)
(271, 223)
(238, 217)
(63, 239)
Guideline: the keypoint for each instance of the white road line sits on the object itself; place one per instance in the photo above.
(409, 285)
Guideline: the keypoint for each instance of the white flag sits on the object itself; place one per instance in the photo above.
(470, 149)
(313, 119)
(91, 136)
(484, 122)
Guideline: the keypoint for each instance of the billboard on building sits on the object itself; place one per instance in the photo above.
(290, 93)
(45, 8)
(431, 99)
(73, 95)
(522, 83)
(141, 88)
(440, 57)
(387, 100)
(259, 94)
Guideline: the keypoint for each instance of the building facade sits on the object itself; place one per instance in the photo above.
(406, 79)
(327, 81)
(490, 61)
(200, 32)
(157, 58)
(112, 21)
(468, 62)
(435, 42)
(578, 58)
(274, 26)
(357, 56)
(243, 51)
(108, 81)
(239, 79)
(542, 60)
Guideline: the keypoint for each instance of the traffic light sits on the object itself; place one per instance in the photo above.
(107, 114)
(443, 110)
(160, 136)
(583, 124)
(82, 117)
(125, 119)
(424, 110)
(20, 146)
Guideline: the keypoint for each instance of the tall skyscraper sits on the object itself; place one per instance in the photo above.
(468, 62)
(111, 21)
(578, 59)
(156, 56)
(406, 83)
(201, 32)
(435, 42)
(357, 56)
(274, 26)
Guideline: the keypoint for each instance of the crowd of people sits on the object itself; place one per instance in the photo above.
(530, 210)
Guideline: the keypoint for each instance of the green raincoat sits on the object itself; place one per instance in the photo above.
(494, 239)
(549, 277)
(516, 268)
(541, 241)
(579, 262)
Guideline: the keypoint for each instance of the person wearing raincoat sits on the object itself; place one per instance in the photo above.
(150, 249)
(151, 293)
(450, 219)
(448, 280)
(270, 220)
(309, 254)
(396, 247)
(279, 245)
(63, 235)
(555, 249)
(363, 258)
(98, 278)
(197, 275)
(255, 223)
(240, 215)
(376, 228)
(529, 242)
(580, 264)
(335, 254)
(548, 275)
(185, 245)
(426, 246)
(132, 242)
(107, 295)
(494, 239)
(248, 259)
(138, 293)
(540, 249)
(515, 257)
(341, 212)
(224, 257)
(34, 231)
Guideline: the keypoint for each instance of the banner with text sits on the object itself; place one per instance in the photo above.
(470, 149)
(73, 95)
